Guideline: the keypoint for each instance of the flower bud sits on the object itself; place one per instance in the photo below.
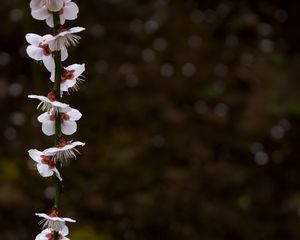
(54, 5)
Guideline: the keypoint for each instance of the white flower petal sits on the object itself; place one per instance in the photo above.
(49, 63)
(65, 231)
(68, 127)
(48, 37)
(40, 14)
(49, 21)
(33, 39)
(48, 128)
(44, 117)
(44, 170)
(59, 104)
(52, 44)
(35, 4)
(66, 109)
(52, 76)
(35, 53)
(76, 29)
(69, 220)
(64, 54)
(42, 235)
(70, 83)
(75, 144)
(35, 155)
(67, 84)
(62, 19)
(41, 98)
(70, 11)
(74, 114)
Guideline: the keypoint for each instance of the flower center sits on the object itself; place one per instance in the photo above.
(62, 142)
(53, 213)
(65, 117)
(46, 49)
(48, 160)
(50, 236)
(66, 75)
(61, 29)
(51, 96)
(52, 116)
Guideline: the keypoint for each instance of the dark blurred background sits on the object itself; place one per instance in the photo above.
(190, 114)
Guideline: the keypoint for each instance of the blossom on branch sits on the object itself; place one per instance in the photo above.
(45, 163)
(65, 38)
(43, 10)
(70, 77)
(40, 50)
(58, 118)
(49, 5)
(48, 103)
(48, 234)
(65, 150)
(54, 222)
(68, 115)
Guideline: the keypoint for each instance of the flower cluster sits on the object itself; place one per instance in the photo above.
(53, 225)
(57, 119)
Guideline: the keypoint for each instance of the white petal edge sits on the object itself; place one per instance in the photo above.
(74, 114)
(48, 128)
(44, 170)
(68, 127)
(34, 52)
(33, 39)
(35, 155)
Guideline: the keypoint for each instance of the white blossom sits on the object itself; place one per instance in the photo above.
(48, 103)
(65, 150)
(48, 234)
(65, 38)
(69, 116)
(70, 77)
(39, 50)
(49, 5)
(54, 222)
(45, 163)
(67, 10)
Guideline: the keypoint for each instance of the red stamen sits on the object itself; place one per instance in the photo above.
(65, 117)
(61, 28)
(66, 74)
(51, 96)
(53, 213)
(46, 49)
(62, 142)
(50, 236)
(48, 160)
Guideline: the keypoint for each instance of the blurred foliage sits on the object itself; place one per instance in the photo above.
(190, 115)
(88, 233)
